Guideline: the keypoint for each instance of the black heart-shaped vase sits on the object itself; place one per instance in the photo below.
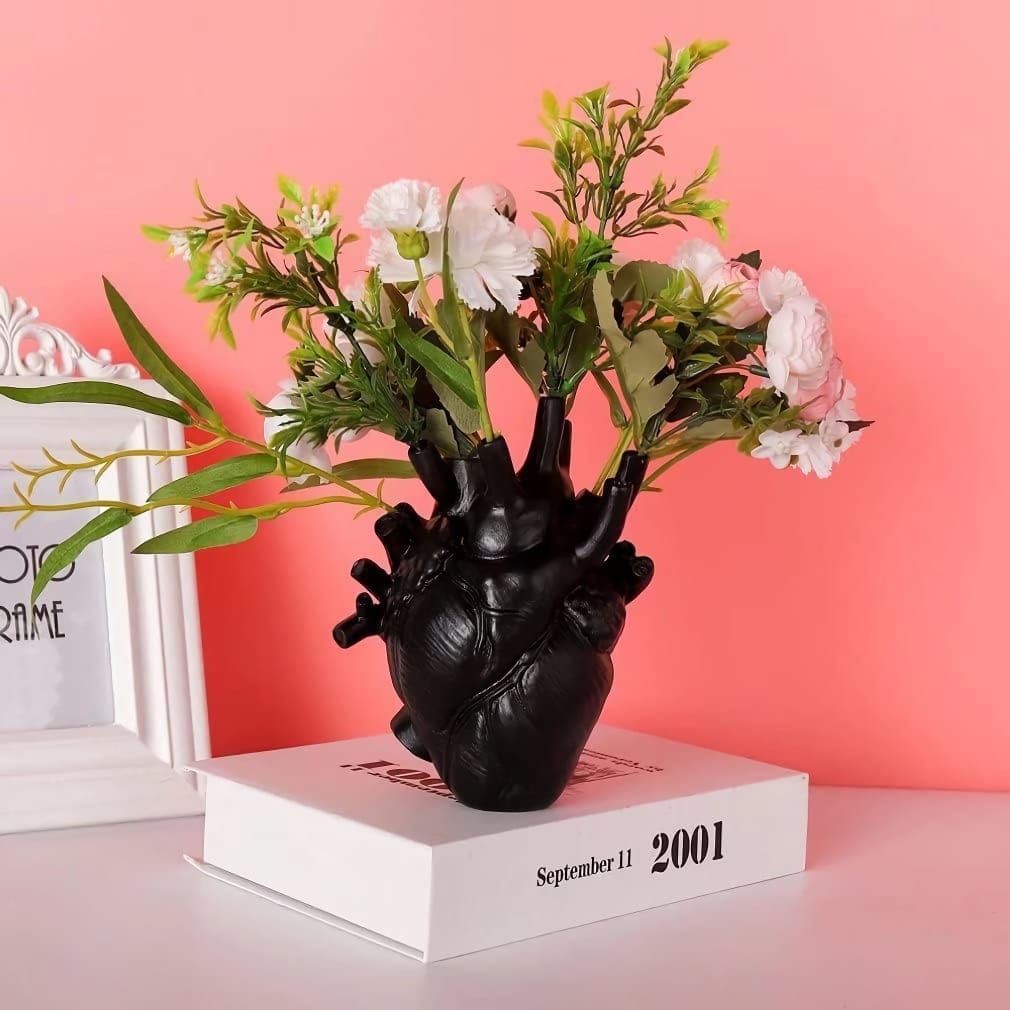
(500, 612)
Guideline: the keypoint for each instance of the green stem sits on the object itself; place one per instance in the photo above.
(295, 467)
(259, 511)
(429, 307)
(682, 455)
(610, 467)
(475, 365)
(101, 463)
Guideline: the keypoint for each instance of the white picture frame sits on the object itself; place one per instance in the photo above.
(133, 768)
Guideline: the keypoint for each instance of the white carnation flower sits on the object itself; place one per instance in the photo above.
(490, 194)
(405, 205)
(303, 449)
(355, 292)
(488, 255)
(393, 268)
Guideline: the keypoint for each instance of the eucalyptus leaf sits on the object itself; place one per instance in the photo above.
(215, 531)
(220, 476)
(153, 358)
(641, 280)
(89, 391)
(70, 550)
(636, 362)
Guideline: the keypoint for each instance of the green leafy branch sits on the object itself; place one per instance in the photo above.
(226, 523)
(594, 144)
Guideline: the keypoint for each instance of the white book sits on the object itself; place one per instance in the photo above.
(364, 836)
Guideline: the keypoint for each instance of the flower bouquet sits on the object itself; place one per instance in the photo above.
(499, 610)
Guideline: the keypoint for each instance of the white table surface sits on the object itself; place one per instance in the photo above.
(905, 906)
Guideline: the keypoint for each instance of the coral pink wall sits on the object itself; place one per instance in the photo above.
(855, 627)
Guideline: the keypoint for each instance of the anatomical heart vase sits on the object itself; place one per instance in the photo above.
(501, 605)
(501, 611)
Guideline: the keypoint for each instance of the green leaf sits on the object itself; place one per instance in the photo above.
(70, 550)
(155, 233)
(636, 362)
(465, 418)
(449, 309)
(218, 476)
(752, 258)
(700, 363)
(325, 246)
(437, 363)
(532, 362)
(88, 391)
(438, 431)
(369, 469)
(216, 531)
(153, 358)
(289, 188)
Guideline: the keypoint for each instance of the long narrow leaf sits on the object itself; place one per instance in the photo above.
(369, 469)
(88, 391)
(70, 550)
(216, 531)
(219, 476)
(437, 362)
(153, 358)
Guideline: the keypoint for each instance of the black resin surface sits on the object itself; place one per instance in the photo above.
(499, 613)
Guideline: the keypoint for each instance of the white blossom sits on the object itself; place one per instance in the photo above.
(404, 205)
(303, 449)
(342, 342)
(813, 455)
(218, 270)
(311, 222)
(780, 448)
(179, 245)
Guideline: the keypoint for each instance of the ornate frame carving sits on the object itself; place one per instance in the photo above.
(49, 351)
